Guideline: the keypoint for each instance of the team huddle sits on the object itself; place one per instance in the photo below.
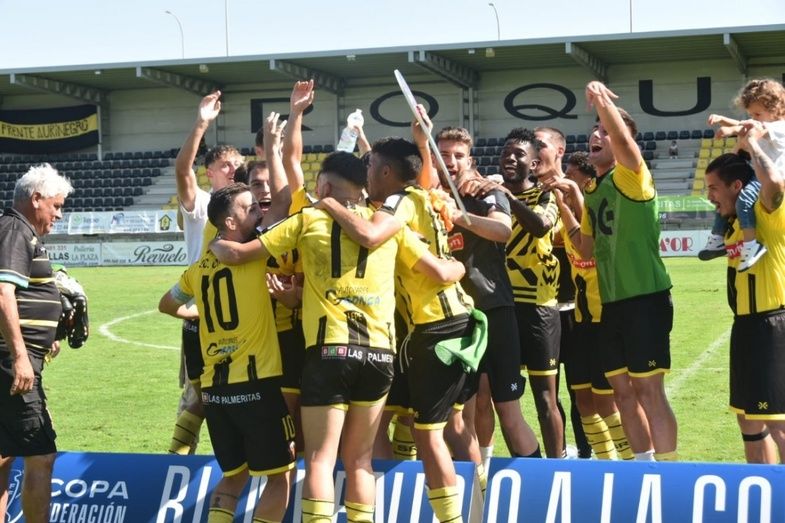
(319, 325)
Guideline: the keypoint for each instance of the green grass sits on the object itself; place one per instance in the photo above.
(116, 396)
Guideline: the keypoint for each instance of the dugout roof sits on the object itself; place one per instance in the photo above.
(461, 64)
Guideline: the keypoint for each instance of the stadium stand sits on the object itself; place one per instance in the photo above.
(111, 184)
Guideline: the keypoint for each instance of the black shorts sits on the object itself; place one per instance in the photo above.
(345, 375)
(398, 398)
(635, 335)
(433, 386)
(292, 343)
(192, 350)
(539, 330)
(502, 359)
(25, 425)
(582, 359)
(757, 366)
(250, 427)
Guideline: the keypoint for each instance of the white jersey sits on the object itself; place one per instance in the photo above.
(194, 223)
(774, 144)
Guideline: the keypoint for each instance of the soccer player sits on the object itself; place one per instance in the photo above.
(620, 228)
(756, 297)
(250, 426)
(347, 318)
(481, 247)
(221, 163)
(534, 273)
(438, 311)
(582, 356)
(29, 311)
(550, 167)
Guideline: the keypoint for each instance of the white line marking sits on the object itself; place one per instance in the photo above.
(104, 331)
(673, 386)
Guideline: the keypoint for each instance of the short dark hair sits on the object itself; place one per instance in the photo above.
(221, 201)
(522, 135)
(259, 138)
(347, 166)
(402, 155)
(241, 174)
(580, 159)
(219, 151)
(730, 167)
(556, 133)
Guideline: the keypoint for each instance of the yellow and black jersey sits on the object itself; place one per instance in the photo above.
(349, 294)
(426, 300)
(300, 200)
(762, 287)
(287, 265)
(531, 265)
(588, 307)
(24, 263)
(209, 234)
(237, 330)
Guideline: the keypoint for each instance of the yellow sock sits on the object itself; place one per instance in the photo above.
(186, 430)
(317, 511)
(598, 436)
(666, 456)
(482, 477)
(445, 504)
(219, 515)
(619, 437)
(358, 513)
(403, 442)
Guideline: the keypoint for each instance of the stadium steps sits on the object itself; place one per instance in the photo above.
(159, 193)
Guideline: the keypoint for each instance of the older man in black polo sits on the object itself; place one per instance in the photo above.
(29, 311)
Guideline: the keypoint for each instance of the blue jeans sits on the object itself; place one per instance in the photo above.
(744, 209)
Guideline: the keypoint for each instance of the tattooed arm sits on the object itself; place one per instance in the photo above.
(772, 181)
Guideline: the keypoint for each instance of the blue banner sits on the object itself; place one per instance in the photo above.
(144, 488)
(563, 491)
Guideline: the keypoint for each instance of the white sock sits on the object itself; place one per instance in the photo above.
(751, 243)
(486, 453)
(645, 456)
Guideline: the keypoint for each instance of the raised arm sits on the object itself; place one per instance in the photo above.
(772, 181)
(280, 196)
(428, 177)
(209, 108)
(301, 98)
(625, 148)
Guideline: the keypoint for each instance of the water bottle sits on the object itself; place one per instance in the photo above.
(349, 135)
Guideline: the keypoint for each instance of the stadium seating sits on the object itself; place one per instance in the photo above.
(110, 183)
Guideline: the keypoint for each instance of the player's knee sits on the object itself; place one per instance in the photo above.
(39, 465)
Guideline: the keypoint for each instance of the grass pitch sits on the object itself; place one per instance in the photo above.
(119, 392)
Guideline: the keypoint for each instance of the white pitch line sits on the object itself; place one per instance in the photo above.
(673, 386)
(104, 330)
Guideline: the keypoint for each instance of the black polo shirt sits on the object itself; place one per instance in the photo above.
(24, 262)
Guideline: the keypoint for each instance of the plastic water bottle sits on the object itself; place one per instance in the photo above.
(349, 135)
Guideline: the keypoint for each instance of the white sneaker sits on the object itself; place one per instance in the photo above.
(751, 252)
(715, 247)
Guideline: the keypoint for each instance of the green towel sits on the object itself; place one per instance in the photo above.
(469, 349)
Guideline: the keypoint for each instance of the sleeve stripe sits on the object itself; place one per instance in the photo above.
(179, 295)
(15, 278)
(38, 323)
